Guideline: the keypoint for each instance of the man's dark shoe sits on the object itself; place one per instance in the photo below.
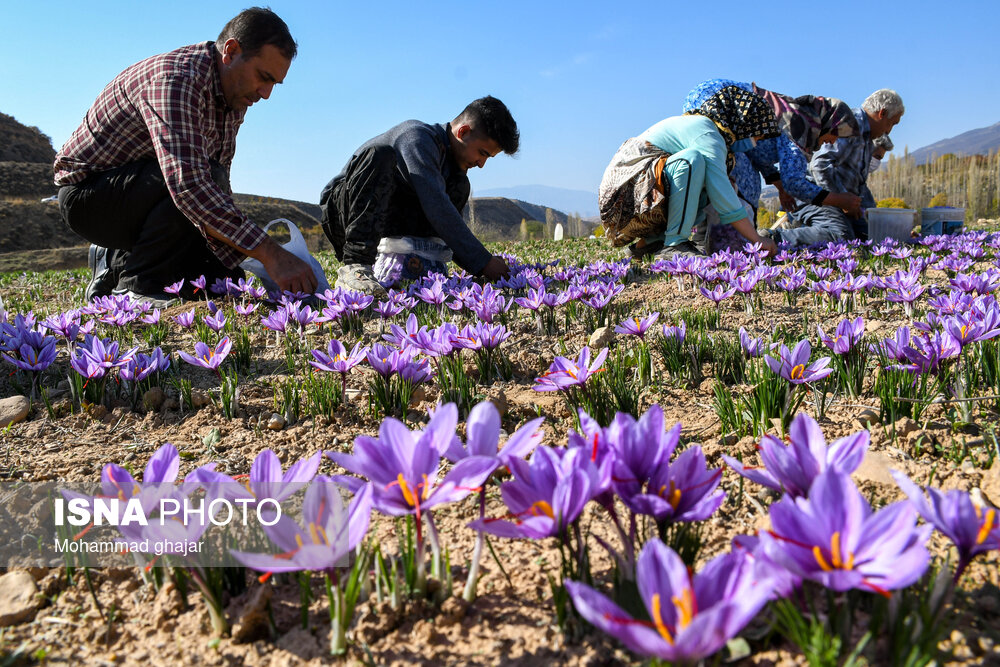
(102, 279)
(682, 248)
(637, 251)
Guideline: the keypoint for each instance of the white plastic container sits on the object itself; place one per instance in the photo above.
(894, 223)
(941, 220)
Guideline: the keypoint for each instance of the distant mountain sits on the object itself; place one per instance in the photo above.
(499, 219)
(575, 202)
(974, 142)
(20, 143)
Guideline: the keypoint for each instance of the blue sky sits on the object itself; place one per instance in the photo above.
(578, 77)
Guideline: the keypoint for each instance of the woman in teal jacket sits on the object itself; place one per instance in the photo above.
(658, 185)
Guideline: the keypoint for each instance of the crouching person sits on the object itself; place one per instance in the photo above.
(411, 183)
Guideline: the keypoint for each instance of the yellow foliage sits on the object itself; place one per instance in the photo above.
(940, 199)
(892, 202)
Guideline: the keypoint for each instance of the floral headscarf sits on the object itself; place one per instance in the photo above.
(804, 119)
(739, 114)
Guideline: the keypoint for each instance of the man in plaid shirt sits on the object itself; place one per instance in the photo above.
(146, 175)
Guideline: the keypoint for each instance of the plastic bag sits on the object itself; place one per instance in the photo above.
(296, 246)
(410, 258)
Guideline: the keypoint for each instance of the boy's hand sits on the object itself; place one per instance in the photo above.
(495, 269)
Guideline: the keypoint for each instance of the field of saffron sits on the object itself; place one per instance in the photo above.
(685, 461)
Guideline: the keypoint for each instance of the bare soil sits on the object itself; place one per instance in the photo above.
(512, 621)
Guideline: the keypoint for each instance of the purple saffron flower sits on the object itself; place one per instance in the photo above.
(848, 335)
(483, 437)
(834, 538)
(267, 481)
(974, 529)
(185, 319)
(792, 468)
(174, 288)
(208, 357)
(337, 359)
(678, 333)
(276, 320)
(718, 294)
(793, 365)
(198, 283)
(691, 616)
(636, 326)
(326, 537)
(404, 465)
(215, 322)
(566, 373)
(546, 495)
(752, 347)
(388, 360)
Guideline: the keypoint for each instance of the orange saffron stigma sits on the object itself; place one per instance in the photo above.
(661, 627)
(984, 530)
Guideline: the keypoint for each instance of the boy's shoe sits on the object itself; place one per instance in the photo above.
(102, 280)
(161, 301)
(359, 278)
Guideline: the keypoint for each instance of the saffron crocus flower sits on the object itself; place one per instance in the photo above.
(566, 373)
(483, 437)
(636, 326)
(793, 468)
(718, 294)
(35, 359)
(337, 359)
(833, 537)
(185, 319)
(794, 366)
(752, 347)
(174, 288)
(208, 357)
(276, 320)
(847, 335)
(199, 284)
(678, 333)
(546, 495)
(404, 465)
(215, 322)
(326, 537)
(267, 481)
(691, 616)
(974, 529)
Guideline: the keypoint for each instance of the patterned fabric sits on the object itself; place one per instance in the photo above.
(843, 166)
(169, 108)
(804, 119)
(632, 196)
(739, 114)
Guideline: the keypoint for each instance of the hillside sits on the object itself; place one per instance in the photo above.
(21, 143)
(577, 202)
(499, 219)
(981, 141)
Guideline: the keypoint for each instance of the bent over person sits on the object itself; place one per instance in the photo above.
(145, 177)
(411, 181)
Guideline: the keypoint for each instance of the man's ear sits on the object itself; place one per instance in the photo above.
(462, 130)
(230, 50)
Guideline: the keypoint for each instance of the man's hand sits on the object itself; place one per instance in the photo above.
(769, 245)
(288, 271)
(495, 269)
(787, 200)
(848, 203)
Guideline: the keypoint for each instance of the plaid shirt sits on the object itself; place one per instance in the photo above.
(169, 107)
(843, 166)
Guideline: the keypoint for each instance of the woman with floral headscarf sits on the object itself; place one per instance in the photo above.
(658, 184)
(806, 123)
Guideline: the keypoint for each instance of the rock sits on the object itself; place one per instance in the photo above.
(171, 404)
(419, 396)
(276, 422)
(499, 400)
(601, 337)
(875, 468)
(13, 410)
(253, 621)
(904, 426)
(352, 394)
(868, 418)
(18, 598)
(728, 440)
(153, 399)
(200, 398)
(990, 485)
(452, 611)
